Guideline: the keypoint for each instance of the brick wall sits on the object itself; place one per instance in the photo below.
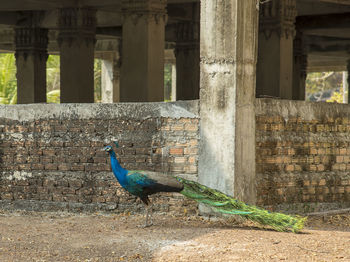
(302, 154)
(51, 158)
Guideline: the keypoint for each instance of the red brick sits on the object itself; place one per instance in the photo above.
(24, 167)
(57, 197)
(49, 152)
(71, 198)
(77, 167)
(64, 167)
(177, 127)
(191, 127)
(46, 159)
(37, 166)
(48, 183)
(7, 196)
(50, 166)
(60, 128)
(75, 183)
(42, 190)
(191, 151)
(322, 182)
(176, 151)
(100, 159)
(289, 168)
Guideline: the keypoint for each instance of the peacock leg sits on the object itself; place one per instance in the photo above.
(150, 207)
(149, 211)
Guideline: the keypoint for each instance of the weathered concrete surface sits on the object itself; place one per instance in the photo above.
(227, 130)
(179, 109)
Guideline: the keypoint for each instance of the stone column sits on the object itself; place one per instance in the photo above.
(110, 82)
(275, 54)
(142, 70)
(173, 82)
(170, 62)
(76, 41)
(299, 67)
(31, 56)
(187, 61)
(348, 69)
(228, 72)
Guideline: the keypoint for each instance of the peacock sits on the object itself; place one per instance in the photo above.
(144, 183)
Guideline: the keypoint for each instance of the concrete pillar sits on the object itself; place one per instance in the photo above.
(275, 54)
(110, 78)
(345, 87)
(299, 67)
(348, 69)
(142, 71)
(170, 62)
(173, 82)
(228, 72)
(31, 56)
(76, 41)
(187, 61)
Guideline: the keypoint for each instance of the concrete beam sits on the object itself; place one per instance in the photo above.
(341, 2)
(316, 7)
(319, 63)
(329, 21)
(8, 18)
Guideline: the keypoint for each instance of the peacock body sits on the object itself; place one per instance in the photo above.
(144, 183)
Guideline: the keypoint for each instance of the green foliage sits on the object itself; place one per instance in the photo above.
(53, 96)
(228, 205)
(337, 97)
(97, 80)
(167, 82)
(321, 86)
(53, 73)
(8, 82)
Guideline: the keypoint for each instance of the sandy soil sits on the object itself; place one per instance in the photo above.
(98, 237)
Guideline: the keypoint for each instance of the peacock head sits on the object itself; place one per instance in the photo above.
(108, 149)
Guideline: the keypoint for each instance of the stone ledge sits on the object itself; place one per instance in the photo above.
(139, 111)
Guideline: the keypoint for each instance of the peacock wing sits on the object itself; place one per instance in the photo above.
(153, 182)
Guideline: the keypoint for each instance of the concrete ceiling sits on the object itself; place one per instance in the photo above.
(19, 5)
(326, 25)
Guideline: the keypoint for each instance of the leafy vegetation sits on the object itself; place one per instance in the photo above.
(8, 82)
(167, 82)
(325, 86)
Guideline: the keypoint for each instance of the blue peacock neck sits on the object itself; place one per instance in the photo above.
(118, 171)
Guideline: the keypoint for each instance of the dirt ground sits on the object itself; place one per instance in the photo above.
(100, 237)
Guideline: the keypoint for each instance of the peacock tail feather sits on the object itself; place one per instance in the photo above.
(228, 205)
